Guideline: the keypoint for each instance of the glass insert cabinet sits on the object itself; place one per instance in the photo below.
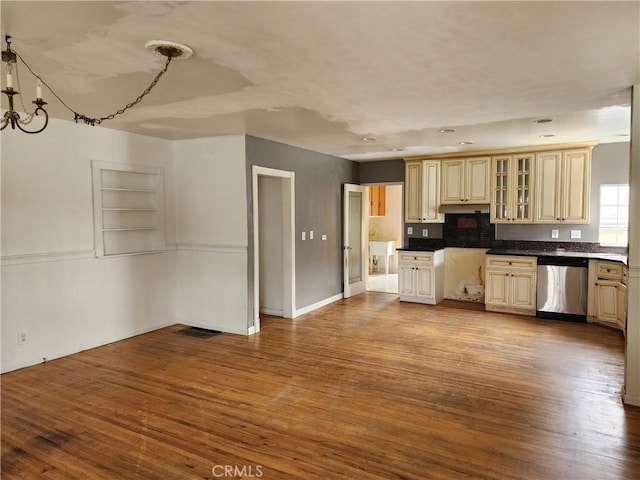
(512, 187)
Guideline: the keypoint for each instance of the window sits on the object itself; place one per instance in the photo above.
(614, 214)
(128, 209)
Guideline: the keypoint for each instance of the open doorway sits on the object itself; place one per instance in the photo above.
(273, 243)
(384, 236)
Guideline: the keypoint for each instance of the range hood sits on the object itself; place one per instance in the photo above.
(464, 208)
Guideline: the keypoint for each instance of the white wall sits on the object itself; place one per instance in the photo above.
(53, 289)
(211, 239)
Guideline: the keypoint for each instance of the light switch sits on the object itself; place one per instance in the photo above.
(311, 235)
(324, 237)
(304, 236)
(554, 233)
(576, 233)
(409, 230)
(425, 232)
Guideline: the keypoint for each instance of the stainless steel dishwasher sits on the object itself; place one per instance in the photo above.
(562, 288)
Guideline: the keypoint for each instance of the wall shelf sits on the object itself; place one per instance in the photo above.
(128, 209)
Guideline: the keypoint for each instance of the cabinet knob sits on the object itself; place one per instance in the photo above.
(557, 219)
(510, 263)
(608, 270)
(506, 274)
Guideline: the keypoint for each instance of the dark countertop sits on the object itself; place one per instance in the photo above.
(424, 249)
(559, 253)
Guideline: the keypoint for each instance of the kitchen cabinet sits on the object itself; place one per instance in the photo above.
(422, 192)
(511, 284)
(512, 182)
(377, 201)
(421, 276)
(610, 293)
(563, 186)
(466, 181)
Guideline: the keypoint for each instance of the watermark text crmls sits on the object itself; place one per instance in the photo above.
(237, 471)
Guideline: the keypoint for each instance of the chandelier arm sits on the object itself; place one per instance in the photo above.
(46, 121)
(5, 121)
(98, 121)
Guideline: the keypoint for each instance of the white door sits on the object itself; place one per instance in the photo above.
(354, 249)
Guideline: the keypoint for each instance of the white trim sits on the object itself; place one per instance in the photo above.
(633, 272)
(289, 264)
(317, 305)
(41, 257)
(9, 367)
(252, 330)
(210, 247)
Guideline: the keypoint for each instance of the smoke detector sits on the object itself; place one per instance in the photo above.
(166, 48)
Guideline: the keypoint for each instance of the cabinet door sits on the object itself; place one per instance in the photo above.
(431, 192)
(522, 181)
(406, 279)
(576, 178)
(523, 290)
(607, 301)
(548, 187)
(497, 288)
(452, 181)
(478, 180)
(621, 295)
(413, 192)
(374, 193)
(424, 282)
(500, 188)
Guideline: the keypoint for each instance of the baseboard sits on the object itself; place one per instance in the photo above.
(252, 330)
(631, 399)
(272, 311)
(317, 305)
(11, 366)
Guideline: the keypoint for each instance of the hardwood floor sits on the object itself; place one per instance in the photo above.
(365, 388)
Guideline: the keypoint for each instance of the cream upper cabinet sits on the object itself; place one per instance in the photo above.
(563, 186)
(512, 180)
(465, 180)
(422, 192)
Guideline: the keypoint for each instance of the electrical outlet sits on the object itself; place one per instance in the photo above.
(22, 338)
(304, 236)
(311, 235)
(409, 230)
(425, 232)
(576, 233)
(324, 237)
(554, 233)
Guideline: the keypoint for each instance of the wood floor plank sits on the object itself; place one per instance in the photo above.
(366, 388)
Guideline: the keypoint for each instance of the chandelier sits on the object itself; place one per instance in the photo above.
(170, 50)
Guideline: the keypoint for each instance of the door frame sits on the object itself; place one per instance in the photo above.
(346, 290)
(289, 244)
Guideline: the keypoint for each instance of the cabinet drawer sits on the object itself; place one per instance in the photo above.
(414, 258)
(609, 271)
(512, 263)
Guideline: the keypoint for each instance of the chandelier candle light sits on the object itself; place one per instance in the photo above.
(171, 50)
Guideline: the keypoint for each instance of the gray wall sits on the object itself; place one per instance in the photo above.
(609, 164)
(318, 189)
(384, 171)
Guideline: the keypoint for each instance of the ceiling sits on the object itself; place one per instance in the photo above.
(325, 75)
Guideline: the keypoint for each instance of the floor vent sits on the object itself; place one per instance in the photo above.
(198, 332)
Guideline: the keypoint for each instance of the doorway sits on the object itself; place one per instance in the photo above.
(385, 234)
(273, 243)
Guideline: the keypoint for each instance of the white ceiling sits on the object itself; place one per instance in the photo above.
(323, 75)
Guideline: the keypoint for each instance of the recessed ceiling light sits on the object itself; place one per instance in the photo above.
(622, 135)
(397, 149)
(447, 130)
(543, 120)
(369, 139)
(466, 143)
(547, 135)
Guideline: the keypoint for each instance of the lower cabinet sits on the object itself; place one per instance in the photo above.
(610, 292)
(421, 276)
(511, 284)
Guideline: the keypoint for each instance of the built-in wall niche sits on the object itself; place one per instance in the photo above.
(128, 209)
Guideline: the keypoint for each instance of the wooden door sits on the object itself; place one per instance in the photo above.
(413, 192)
(452, 181)
(478, 180)
(548, 187)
